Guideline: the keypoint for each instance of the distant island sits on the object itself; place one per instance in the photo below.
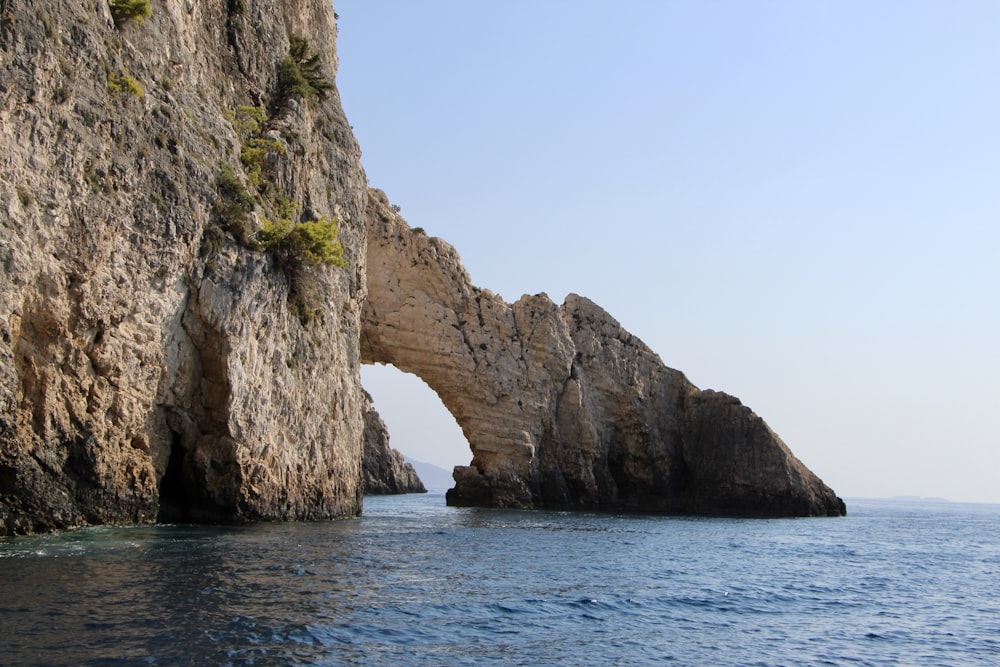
(923, 499)
(435, 478)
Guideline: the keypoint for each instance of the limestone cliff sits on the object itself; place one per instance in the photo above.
(154, 360)
(561, 406)
(386, 471)
(180, 336)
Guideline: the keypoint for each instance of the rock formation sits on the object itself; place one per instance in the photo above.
(152, 358)
(561, 406)
(164, 354)
(385, 470)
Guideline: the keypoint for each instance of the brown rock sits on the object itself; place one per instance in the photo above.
(386, 471)
(560, 405)
(147, 352)
(156, 362)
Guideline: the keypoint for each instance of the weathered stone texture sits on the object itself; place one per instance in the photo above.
(142, 348)
(156, 363)
(561, 406)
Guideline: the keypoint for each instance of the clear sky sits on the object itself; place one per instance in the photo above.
(794, 202)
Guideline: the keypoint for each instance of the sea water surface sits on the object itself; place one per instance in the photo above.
(414, 582)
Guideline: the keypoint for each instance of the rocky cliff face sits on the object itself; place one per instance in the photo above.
(560, 405)
(153, 359)
(167, 351)
(386, 471)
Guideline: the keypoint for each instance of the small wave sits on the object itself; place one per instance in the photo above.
(510, 609)
(459, 591)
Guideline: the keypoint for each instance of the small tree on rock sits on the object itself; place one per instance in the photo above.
(301, 72)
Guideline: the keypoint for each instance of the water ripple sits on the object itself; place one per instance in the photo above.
(417, 583)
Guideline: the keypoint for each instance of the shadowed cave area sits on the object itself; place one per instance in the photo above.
(175, 490)
(182, 498)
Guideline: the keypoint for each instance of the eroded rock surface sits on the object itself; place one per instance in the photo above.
(386, 471)
(561, 406)
(151, 362)
(157, 363)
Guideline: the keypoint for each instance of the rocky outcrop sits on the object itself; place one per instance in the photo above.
(158, 362)
(561, 406)
(154, 361)
(386, 471)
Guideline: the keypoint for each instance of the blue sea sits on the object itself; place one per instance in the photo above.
(414, 582)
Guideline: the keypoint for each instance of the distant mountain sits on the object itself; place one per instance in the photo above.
(433, 477)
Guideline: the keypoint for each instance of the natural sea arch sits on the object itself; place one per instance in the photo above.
(424, 316)
(559, 404)
(420, 425)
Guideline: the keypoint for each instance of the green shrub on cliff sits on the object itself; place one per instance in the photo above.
(297, 245)
(123, 10)
(301, 73)
(122, 82)
(311, 242)
(250, 124)
(232, 189)
(252, 155)
(248, 121)
(234, 205)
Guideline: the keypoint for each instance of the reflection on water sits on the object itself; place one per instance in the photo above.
(219, 592)
(415, 582)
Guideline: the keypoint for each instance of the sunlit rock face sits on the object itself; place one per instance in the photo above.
(151, 363)
(156, 363)
(561, 406)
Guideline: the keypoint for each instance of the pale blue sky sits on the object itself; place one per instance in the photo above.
(794, 202)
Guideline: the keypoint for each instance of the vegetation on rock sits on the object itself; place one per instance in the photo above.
(121, 82)
(234, 204)
(248, 121)
(123, 10)
(310, 242)
(293, 245)
(301, 72)
(250, 124)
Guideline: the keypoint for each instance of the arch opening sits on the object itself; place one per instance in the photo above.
(419, 424)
